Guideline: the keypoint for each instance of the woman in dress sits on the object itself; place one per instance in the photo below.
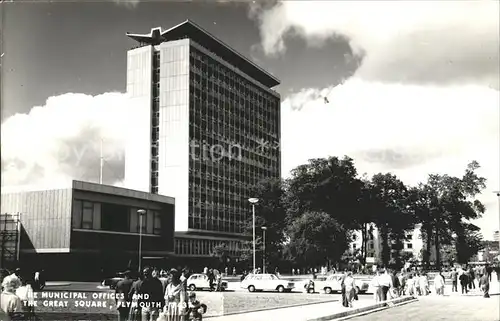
(10, 304)
(175, 298)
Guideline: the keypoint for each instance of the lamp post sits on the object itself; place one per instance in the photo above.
(253, 201)
(141, 213)
(264, 249)
(498, 195)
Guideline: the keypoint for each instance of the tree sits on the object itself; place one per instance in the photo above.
(449, 254)
(471, 242)
(392, 214)
(455, 202)
(221, 252)
(270, 212)
(365, 215)
(325, 185)
(421, 199)
(316, 238)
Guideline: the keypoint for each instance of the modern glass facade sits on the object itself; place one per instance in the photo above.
(237, 122)
(215, 133)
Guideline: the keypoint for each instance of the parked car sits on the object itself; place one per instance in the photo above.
(333, 283)
(113, 281)
(266, 282)
(200, 282)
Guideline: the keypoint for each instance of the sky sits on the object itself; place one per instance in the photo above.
(412, 87)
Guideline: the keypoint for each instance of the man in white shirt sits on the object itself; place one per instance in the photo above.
(385, 282)
(375, 284)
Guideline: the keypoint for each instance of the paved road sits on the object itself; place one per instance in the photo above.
(218, 302)
(452, 308)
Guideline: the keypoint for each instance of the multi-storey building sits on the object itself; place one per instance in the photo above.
(210, 130)
(413, 244)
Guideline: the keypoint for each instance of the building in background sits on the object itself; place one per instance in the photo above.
(75, 233)
(412, 246)
(209, 131)
(496, 236)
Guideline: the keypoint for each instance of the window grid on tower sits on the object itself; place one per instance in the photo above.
(229, 111)
(155, 122)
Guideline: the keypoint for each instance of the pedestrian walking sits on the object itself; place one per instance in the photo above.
(484, 285)
(344, 301)
(454, 280)
(122, 299)
(471, 279)
(489, 270)
(211, 279)
(424, 284)
(147, 297)
(439, 284)
(176, 300)
(386, 284)
(464, 281)
(410, 285)
(349, 288)
(416, 284)
(394, 291)
(402, 277)
(377, 288)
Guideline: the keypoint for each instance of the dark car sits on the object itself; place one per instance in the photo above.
(113, 281)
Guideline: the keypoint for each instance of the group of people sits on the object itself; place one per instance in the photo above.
(468, 276)
(16, 294)
(214, 279)
(157, 296)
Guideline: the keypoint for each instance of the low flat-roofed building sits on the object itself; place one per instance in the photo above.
(90, 230)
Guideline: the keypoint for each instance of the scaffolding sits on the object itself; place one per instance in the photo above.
(10, 233)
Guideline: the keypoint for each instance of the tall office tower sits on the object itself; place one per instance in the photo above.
(208, 129)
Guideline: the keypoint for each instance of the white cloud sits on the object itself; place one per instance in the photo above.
(61, 141)
(419, 41)
(423, 100)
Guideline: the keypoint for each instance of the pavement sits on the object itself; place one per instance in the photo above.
(447, 308)
(310, 312)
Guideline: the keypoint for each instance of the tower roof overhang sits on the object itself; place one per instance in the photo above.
(190, 30)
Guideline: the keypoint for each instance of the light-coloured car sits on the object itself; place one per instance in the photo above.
(200, 282)
(333, 283)
(266, 282)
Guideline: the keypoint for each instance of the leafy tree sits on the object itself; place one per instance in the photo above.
(455, 202)
(449, 254)
(393, 216)
(325, 185)
(316, 238)
(407, 256)
(471, 242)
(365, 215)
(221, 252)
(270, 212)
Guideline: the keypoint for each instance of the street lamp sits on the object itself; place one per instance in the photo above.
(141, 213)
(253, 201)
(498, 195)
(264, 249)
